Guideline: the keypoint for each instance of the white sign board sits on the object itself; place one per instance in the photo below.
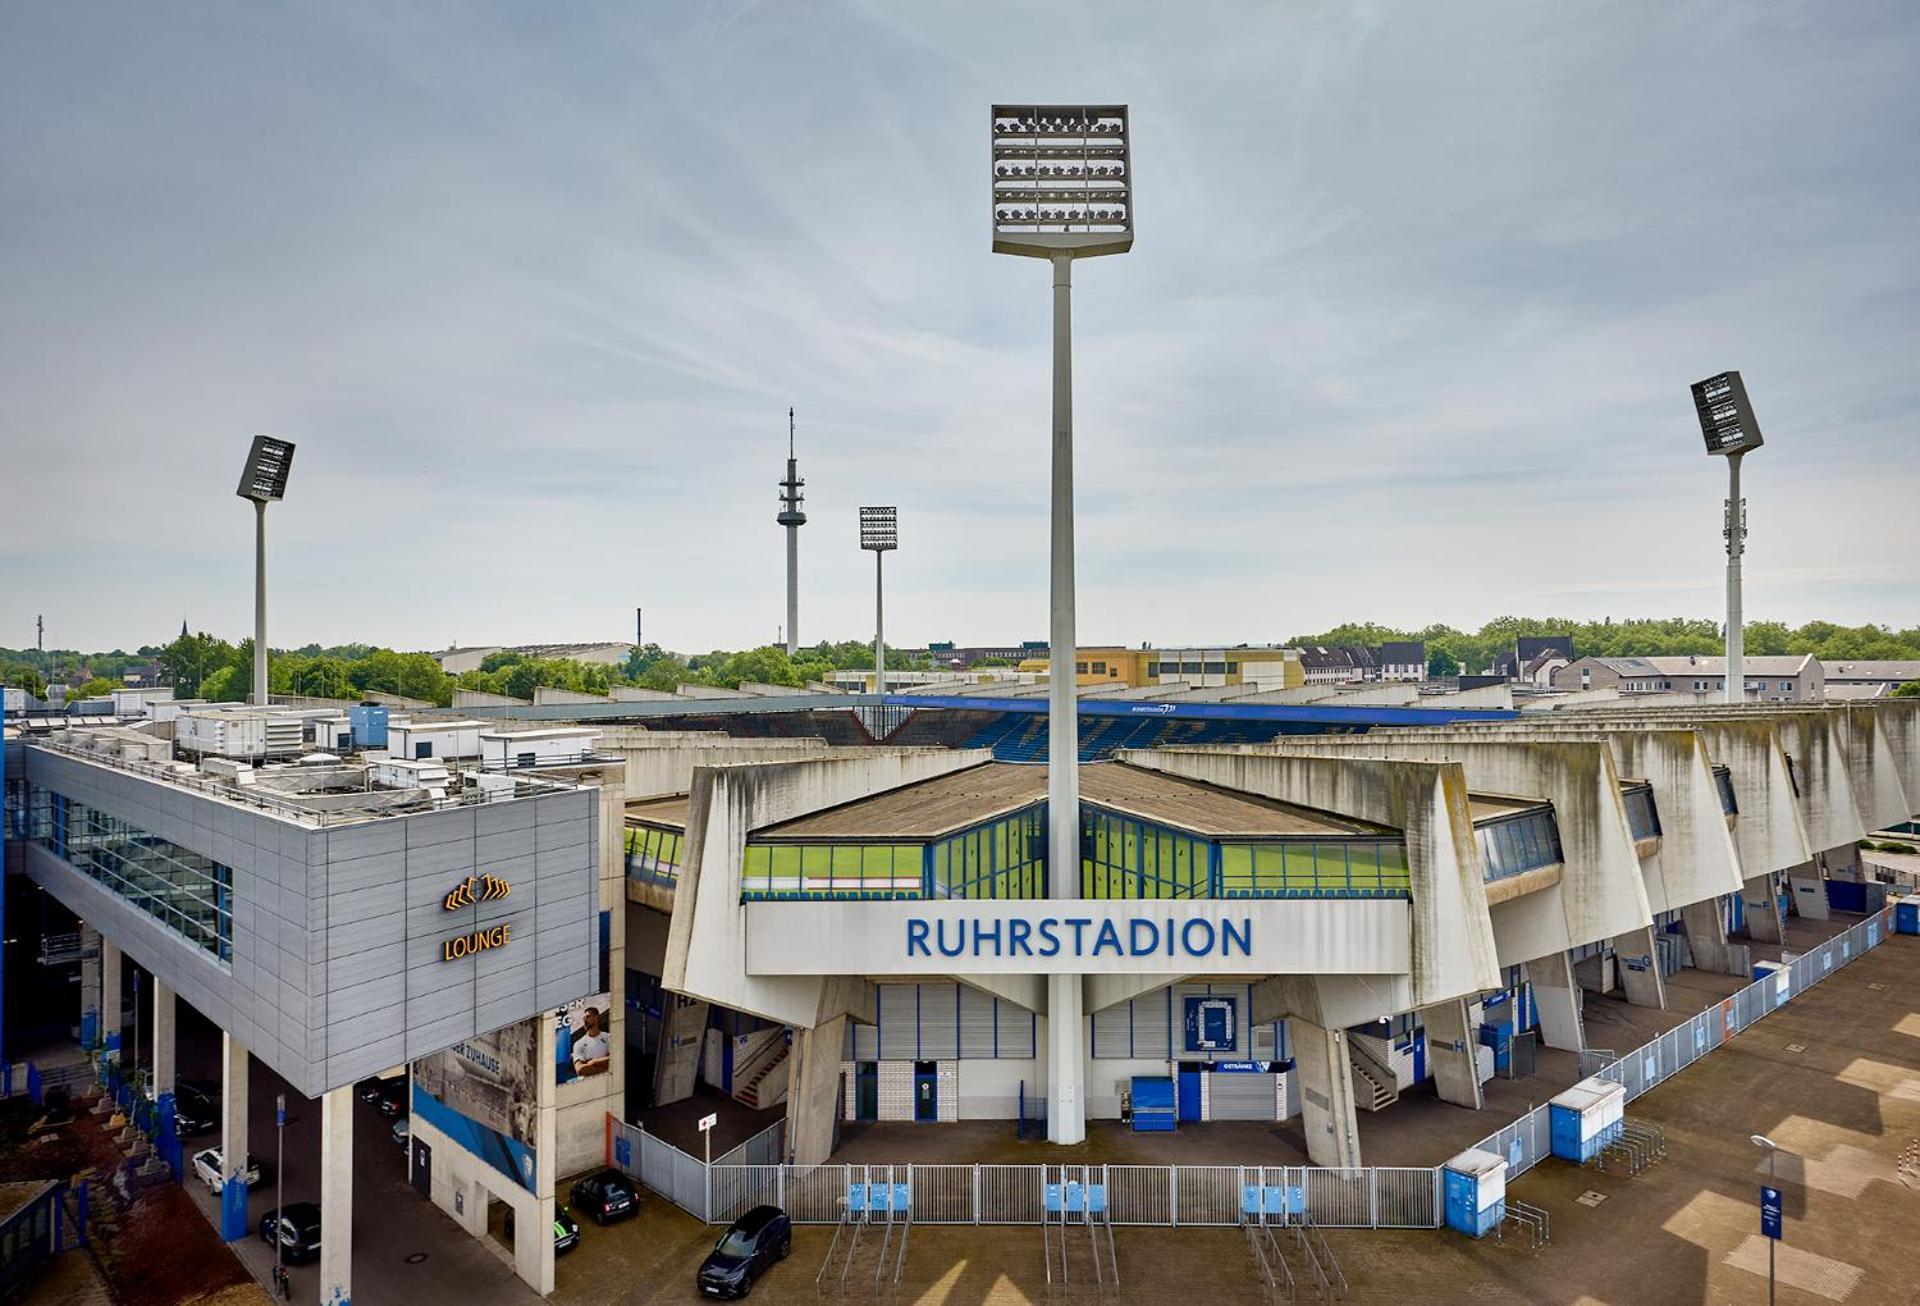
(1326, 936)
(708, 1122)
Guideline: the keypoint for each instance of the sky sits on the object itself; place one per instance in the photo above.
(1405, 336)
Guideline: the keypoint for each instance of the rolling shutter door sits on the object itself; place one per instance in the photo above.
(1237, 1096)
(939, 1023)
(1152, 1032)
(899, 1024)
(1113, 1031)
(864, 1042)
(976, 1023)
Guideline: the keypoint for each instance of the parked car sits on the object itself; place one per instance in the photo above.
(566, 1233)
(746, 1251)
(402, 1131)
(196, 1109)
(209, 1167)
(392, 1102)
(298, 1229)
(370, 1088)
(606, 1196)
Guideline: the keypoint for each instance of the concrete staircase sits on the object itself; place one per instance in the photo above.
(762, 1081)
(1374, 1086)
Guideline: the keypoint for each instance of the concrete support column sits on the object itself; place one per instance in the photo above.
(1760, 904)
(1638, 964)
(533, 1247)
(233, 1136)
(813, 1090)
(336, 1197)
(676, 1067)
(1706, 928)
(1556, 998)
(164, 1007)
(1450, 1054)
(1327, 1111)
(110, 1023)
(90, 949)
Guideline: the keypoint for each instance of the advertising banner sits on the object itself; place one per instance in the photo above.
(483, 1095)
(580, 1039)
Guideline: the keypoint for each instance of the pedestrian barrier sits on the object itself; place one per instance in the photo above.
(1073, 1201)
(1316, 1197)
(1529, 1222)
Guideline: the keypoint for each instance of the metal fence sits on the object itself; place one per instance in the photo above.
(1375, 1197)
(1525, 1142)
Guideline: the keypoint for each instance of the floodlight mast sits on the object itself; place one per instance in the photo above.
(1062, 189)
(263, 480)
(1728, 425)
(879, 534)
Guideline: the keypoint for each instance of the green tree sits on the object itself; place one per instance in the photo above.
(98, 687)
(189, 660)
(1442, 663)
(227, 685)
(19, 675)
(1909, 690)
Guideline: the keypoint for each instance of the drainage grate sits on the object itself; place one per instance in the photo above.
(1590, 1198)
(1796, 1047)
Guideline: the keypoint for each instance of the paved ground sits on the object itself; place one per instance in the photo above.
(405, 1249)
(1684, 1231)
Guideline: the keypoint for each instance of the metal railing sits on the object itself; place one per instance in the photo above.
(1526, 1141)
(1374, 1197)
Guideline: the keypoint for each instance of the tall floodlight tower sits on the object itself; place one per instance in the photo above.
(1062, 189)
(263, 481)
(793, 519)
(1727, 422)
(880, 534)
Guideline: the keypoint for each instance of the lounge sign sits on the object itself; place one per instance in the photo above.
(469, 892)
(1082, 936)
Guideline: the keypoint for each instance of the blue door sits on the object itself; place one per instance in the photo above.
(1189, 1092)
(1419, 1055)
(926, 1091)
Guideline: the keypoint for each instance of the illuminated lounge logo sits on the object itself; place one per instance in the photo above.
(476, 889)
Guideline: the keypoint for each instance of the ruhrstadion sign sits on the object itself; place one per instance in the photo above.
(1083, 936)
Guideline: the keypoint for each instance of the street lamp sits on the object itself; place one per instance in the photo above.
(263, 480)
(1727, 423)
(1772, 1150)
(879, 534)
(1062, 189)
(239, 1166)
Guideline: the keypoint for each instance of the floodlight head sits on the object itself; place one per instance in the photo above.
(1762, 1142)
(265, 477)
(1726, 415)
(1062, 180)
(879, 529)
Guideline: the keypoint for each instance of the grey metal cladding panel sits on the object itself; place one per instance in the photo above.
(576, 912)
(363, 966)
(560, 809)
(347, 842)
(564, 986)
(448, 861)
(551, 836)
(503, 845)
(431, 979)
(349, 875)
(350, 1064)
(430, 1008)
(356, 1001)
(491, 819)
(432, 1036)
(365, 936)
(377, 1024)
(507, 984)
(429, 828)
(375, 900)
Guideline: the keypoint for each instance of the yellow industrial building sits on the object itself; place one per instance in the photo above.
(1266, 666)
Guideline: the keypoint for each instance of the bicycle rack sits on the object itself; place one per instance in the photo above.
(1264, 1208)
(1531, 1220)
(1076, 1196)
(870, 1201)
(1313, 1239)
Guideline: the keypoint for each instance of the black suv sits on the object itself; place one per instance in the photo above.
(392, 1099)
(298, 1227)
(753, 1243)
(196, 1107)
(606, 1197)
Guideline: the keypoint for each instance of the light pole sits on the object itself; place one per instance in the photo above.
(1727, 423)
(279, 1179)
(880, 535)
(1772, 1150)
(263, 480)
(1062, 189)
